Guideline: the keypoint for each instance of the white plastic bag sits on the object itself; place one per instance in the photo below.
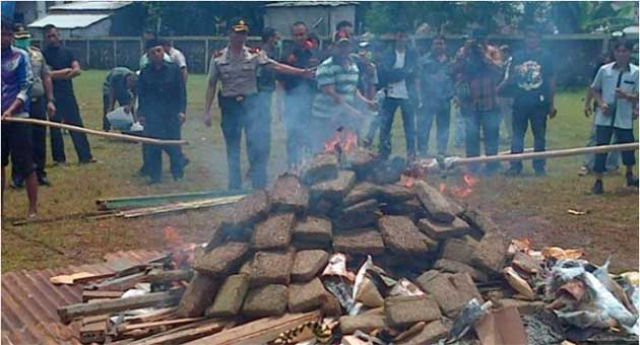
(120, 119)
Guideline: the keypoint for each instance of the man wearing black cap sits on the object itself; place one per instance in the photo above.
(162, 97)
(235, 67)
(41, 107)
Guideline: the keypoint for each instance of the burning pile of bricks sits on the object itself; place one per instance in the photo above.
(269, 253)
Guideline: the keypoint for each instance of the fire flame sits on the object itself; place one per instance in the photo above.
(407, 180)
(182, 253)
(344, 140)
(463, 191)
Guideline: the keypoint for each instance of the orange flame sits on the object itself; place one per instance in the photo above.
(463, 191)
(344, 140)
(407, 180)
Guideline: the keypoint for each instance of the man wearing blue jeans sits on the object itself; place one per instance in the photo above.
(480, 70)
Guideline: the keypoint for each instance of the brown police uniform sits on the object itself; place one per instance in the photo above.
(238, 100)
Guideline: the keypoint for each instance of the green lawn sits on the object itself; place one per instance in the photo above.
(527, 207)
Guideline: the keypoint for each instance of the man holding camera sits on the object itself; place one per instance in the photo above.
(479, 67)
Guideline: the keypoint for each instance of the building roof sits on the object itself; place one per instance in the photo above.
(311, 3)
(91, 6)
(68, 21)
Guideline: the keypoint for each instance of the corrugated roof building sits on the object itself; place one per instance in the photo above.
(83, 19)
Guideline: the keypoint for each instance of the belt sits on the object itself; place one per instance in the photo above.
(238, 98)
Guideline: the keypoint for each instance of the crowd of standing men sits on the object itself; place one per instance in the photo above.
(354, 84)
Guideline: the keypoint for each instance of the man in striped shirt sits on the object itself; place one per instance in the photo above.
(335, 104)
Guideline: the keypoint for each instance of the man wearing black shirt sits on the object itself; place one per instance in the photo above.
(162, 97)
(532, 76)
(299, 92)
(63, 68)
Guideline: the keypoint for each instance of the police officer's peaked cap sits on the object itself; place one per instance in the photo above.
(239, 25)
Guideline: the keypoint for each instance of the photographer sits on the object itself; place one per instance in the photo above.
(479, 68)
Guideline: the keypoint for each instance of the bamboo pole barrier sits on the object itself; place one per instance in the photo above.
(539, 155)
(127, 137)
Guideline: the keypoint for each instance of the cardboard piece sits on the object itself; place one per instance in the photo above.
(501, 326)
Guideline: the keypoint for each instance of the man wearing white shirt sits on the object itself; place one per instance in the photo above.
(615, 87)
(398, 74)
(177, 58)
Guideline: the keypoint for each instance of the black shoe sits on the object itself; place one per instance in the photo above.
(44, 181)
(17, 183)
(597, 187)
(185, 162)
(513, 172)
(632, 181)
(178, 177)
(89, 161)
(152, 181)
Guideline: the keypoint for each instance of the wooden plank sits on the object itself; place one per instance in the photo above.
(257, 332)
(158, 314)
(210, 327)
(157, 324)
(171, 297)
(88, 295)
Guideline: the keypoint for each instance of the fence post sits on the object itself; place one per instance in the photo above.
(115, 53)
(88, 47)
(206, 55)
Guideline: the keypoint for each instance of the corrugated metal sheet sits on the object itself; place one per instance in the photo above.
(91, 6)
(68, 21)
(30, 301)
(311, 3)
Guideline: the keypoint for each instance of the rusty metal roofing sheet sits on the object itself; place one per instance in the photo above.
(30, 301)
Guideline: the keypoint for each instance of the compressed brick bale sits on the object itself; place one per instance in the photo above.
(465, 286)
(221, 260)
(404, 311)
(268, 300)
(392, 193)
(229, 299)
(320, 206)
(363, 322)
(367, 241)
(217, 235)
(360, 215)
(307, 264)
(490, 253)
(336, 189)
(247, 211)
(331, 306)
(459, 249)
(362, 160)
(271, 268)
(411, 208)
(274, 232)
(400, 235)
(438, 285)
(314, 230)
(434, 202)
(198, 295)
(480, 223)
(324, 166)
(451, 266)
(246, 267)
(361, 191)
(439, 231)
(430, 334)
(289, 194)
(306, 296)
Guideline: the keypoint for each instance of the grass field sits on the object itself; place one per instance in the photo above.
(528, 206)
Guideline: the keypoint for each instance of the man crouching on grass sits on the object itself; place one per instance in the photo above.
(615, 87)
(16, 137)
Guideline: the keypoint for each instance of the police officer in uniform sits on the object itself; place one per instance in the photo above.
(236, 68)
